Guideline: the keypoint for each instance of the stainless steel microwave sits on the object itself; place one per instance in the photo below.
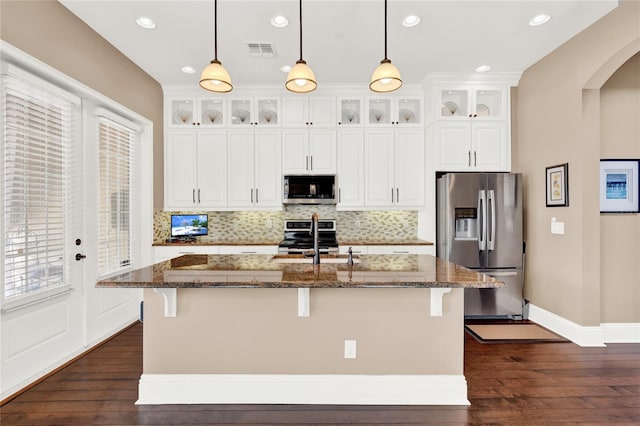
(309, 189)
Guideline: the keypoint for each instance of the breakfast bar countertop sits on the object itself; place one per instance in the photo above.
(269, 271)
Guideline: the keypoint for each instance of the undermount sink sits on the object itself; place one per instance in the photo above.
(324, 258)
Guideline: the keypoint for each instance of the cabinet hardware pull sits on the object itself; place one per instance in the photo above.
(311, 163)
(397, 195)
(193, 195)
(251, 195)
(249, 252)
(198, 195)
(256, 195)
(475, 159)
(400, 252)
(469, 162)
(339, 195)
(391, 195)
(306, 163)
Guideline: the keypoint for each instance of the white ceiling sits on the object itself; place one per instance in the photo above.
(343, 40)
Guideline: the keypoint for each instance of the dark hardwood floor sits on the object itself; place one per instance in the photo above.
(546, 383)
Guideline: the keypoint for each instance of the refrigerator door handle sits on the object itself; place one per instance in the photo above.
(482, 222)
(491, 243)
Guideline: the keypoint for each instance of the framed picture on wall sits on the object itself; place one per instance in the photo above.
(619, 189)
(557, 188)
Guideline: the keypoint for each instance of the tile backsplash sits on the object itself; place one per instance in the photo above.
(259, 226)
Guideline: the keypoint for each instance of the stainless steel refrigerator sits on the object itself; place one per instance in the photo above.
(479, 225)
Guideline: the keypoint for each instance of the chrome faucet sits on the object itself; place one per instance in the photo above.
(316, 245)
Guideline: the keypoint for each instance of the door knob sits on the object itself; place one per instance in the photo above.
(80, 256)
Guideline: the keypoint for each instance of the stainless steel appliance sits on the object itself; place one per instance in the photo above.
(479, 225)
(309, 189)
(298, 236)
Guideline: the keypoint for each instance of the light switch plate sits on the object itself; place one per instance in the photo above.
(557, 228)
(350, 349)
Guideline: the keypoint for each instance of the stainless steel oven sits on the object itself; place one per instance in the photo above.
(298, 238)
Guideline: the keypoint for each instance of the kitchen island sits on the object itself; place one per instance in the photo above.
(274, 329)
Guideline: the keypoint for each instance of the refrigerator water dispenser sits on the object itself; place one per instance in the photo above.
(466, 223)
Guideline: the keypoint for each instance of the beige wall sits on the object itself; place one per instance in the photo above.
(620, 233)
(47, 31)
(558, 121)
(257, 331)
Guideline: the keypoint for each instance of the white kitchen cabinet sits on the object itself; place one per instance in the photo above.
(400, 249)
(388, 249)
(350, 176)
(309, 151)
(162, 253)
(472, 128)
(309, 112)
(249, 249)
(350, 111)
(205, 112)
(254, 178)
(254, 111)
(473, 146)
(394, 111)
(394, 168)
(195, 169)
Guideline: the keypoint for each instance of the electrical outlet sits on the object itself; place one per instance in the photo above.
(357, 223)
(269, 224)
(350, 349)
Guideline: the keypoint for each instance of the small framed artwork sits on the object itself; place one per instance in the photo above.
(619, 190)
(557, 188)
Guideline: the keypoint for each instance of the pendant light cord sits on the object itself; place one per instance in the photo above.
(385, 29)
(215, 29)
(300, 8)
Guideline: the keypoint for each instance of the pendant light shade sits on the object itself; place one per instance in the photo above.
(386, 77)
(301, 79)
(215, 77)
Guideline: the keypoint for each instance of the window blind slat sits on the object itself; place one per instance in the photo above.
(38, 139)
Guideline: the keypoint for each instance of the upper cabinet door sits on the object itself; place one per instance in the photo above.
(181, 112)
(471, 102)
(314, 112)
(211, 112)
(241, 112)
(350, 112)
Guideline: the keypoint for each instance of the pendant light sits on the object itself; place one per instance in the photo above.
(385, 78)
(301, 79)
(215, 77)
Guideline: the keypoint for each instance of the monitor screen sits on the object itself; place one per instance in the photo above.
(189, 225)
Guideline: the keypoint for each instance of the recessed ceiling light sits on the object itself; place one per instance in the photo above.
(483, 68)
(145, 22)
(279, 21)
(411, 21)
(188, 70)
(285, 68)
(540, 19)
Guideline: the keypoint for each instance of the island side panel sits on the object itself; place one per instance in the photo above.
(258, 331)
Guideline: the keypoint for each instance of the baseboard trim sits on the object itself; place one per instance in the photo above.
(619, 332)
(302, 389)
(586, 335)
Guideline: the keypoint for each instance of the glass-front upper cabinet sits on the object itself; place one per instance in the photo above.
(471, 102)
(195, 112)
(253, 111)
(181, 112)
(350, 112)
(393, 111)
(212, 112)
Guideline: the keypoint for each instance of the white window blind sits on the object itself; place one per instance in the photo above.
(38, 139)
(117, 147)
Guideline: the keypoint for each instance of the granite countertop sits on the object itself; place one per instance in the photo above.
(261, 271)
(217, 243)
(411, 242)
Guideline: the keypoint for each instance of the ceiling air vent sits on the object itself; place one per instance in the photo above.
(261, 50)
